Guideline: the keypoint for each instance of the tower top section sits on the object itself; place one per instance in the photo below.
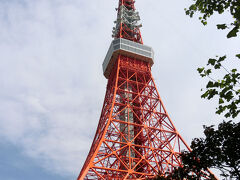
(127, 23)
(127, 38)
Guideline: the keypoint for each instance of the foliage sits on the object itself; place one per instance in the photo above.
(220, 149)
(208, 7)
(184, 173)
(226, 89)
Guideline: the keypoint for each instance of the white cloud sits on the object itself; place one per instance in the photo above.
(52, 87)
(49, 77)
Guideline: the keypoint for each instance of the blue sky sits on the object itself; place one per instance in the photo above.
(15, 165)
(52, 87)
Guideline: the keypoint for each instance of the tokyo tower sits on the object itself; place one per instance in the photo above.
(135, 137)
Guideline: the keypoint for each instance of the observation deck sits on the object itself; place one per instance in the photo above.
(127, 48)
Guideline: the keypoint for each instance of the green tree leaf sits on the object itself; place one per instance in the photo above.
(209, 71)
(221, 101)
(210, 84)
(234, 70)
(221, 26)
(200, 70)
(221, 59)
(233, 32)
(212, 61)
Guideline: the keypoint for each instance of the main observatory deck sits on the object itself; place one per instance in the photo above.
(127, 48)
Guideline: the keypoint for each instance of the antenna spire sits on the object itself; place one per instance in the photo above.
(127, 23)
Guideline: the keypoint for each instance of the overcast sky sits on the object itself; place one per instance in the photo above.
(52, 87)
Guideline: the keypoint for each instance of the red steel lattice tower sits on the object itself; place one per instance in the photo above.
(135, 137)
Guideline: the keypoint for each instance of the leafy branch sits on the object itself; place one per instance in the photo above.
(207, 8)
(226, 89)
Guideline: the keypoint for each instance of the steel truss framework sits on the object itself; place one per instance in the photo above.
(135, 138)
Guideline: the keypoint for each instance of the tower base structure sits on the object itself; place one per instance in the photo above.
(135, 137)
